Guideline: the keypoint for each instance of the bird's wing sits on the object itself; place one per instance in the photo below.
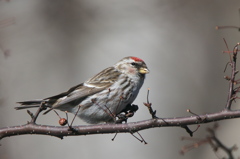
(74, 94)
(78, 93)
(105, 77)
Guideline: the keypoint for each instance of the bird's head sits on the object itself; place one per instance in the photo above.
(132, 66)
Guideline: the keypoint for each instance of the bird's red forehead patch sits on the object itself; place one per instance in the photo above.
(137, 59)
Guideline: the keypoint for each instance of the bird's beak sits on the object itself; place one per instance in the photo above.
(143, 70)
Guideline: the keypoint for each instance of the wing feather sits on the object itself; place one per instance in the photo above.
(76, 94)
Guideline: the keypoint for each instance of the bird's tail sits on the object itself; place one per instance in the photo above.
(29, 104)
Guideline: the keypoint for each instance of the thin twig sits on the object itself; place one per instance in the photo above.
(40, 109)
(231, 91)
(141, 140)
(230, 58)
(149, 106)
(190, 132)
(75, 115)
(227, 27)
(114, 136)
(141, 137)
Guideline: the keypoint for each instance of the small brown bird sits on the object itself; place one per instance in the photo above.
(108, 92)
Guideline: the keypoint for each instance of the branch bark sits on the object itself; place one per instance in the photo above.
(60, 132)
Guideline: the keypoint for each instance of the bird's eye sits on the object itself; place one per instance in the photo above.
(133, 63)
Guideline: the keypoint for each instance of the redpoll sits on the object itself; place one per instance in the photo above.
(103, 96)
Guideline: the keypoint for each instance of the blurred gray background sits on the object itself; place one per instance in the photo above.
(49, 46)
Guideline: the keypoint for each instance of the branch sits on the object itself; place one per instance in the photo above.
(60, 132)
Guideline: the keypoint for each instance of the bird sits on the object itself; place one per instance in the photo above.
(102, 97)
